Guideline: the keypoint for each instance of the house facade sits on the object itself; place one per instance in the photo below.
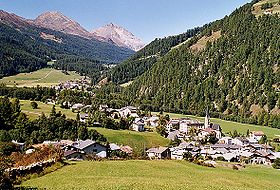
(91, 147)
(128, 111)
(138, 125)
(159, 153)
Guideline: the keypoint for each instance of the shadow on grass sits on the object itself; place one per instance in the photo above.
(28, 188)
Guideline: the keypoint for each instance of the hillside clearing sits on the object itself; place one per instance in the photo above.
(228, 126)
(202, 42)
(126, 84)
(140, 174)
(44, 77)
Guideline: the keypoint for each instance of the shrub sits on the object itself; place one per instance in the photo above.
(34, 105)
(276, 163)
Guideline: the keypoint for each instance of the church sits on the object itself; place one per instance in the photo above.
(211, 127)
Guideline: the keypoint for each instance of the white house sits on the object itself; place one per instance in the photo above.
(177, 153)
(173, 123)
(241, 141)
(225, 140)
(173, 135)
(153, 121)
(77, 106)
(83, 117)
(256, 135)
(91, 147)
(128, 111)
(138, 125)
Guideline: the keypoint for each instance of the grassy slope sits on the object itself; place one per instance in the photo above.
(43, 77)
(138, 174)
(42, 107)
(137, 140)
(230, 126)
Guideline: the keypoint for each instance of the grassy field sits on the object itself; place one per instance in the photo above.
(136, 140)
(156, 175)
(228, 126)
(43, 77)
(42, 107)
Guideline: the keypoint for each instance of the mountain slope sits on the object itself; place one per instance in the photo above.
(143, 60)
(235, 71)
(119, 36)
(24, 44)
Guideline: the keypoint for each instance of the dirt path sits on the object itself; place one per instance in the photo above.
(44, 76)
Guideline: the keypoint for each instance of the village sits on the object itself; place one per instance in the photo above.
(192, 137)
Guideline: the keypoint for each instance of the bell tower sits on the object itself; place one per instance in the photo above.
(207, 119)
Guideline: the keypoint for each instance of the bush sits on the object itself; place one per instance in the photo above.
(34, 105)
(220, 158)
(276, 163)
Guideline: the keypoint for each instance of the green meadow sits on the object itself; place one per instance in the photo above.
(139, 141)
(44, 77)
(156, 175)
(43, 108)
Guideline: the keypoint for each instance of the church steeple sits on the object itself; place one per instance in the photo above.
(207, 119)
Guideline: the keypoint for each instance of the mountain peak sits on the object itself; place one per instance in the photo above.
(118, 35)
(57, 21)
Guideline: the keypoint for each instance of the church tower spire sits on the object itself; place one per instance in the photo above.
(207, 119)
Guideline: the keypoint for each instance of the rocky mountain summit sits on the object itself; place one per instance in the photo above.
(119, 36)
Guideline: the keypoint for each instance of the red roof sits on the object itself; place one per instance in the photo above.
(258, 133)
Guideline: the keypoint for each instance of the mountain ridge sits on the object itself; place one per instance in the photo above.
(57, 21)
(119, 36)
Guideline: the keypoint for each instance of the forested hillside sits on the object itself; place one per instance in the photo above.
(25, 48)
(146, 57)
(232, 67)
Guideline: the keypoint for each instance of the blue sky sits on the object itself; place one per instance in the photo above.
(147, 19)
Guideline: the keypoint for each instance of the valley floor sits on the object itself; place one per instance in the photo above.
(161, 174)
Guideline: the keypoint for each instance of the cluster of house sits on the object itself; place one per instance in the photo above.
(186, 128)
(238, 149)
(78, 150)
(175, 128)
(139, 123)
(78, 84)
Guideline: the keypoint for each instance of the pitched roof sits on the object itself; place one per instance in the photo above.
(215, 126)
(172, 135)
(83, 144)
(127, 149)
(70, 152)
(208, 130)
(242, 139)
(113, 146)
(258, 133)
(131, 108)
(262, 153)
(157, 150)
(226, 146)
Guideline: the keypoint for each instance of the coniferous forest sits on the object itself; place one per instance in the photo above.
(232, 75)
